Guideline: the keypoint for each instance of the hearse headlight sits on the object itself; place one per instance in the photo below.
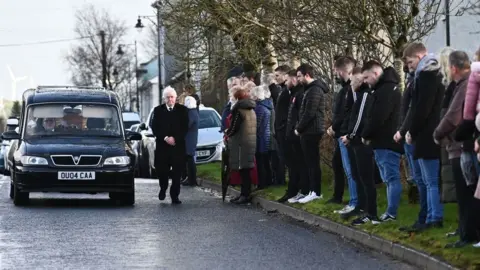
(122, 160)
(30, 160)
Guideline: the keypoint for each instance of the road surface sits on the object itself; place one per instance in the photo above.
(70, 231)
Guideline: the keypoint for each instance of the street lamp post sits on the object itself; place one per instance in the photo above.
(120, 52)
(160, 30)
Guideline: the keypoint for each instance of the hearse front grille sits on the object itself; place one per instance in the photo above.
(70, 160)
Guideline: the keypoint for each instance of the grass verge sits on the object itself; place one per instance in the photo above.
(431, 242)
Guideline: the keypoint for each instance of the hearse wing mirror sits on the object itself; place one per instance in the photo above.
(10, 135)
(133, 136)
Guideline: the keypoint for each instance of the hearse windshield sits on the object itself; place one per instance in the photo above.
(82, 120)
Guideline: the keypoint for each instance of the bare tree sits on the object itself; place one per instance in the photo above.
(85, 58)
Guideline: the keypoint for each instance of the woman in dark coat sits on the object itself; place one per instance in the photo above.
(242, 142)
(191, 141)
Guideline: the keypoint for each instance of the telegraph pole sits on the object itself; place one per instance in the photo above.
(103, 60)
(136, 79)
(447, 21)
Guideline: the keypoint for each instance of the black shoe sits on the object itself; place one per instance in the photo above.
(242, 200)
(435, 224)
(365, 219)
(161, 195)
(423, 227)
(176, 201)
(284, 198)
(355, 212)
(235, 199)
(334, 200)
(188, 184)
(458, 244)
(409, 228)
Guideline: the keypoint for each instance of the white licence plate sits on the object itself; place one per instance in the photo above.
(76, 175)
(204, 153)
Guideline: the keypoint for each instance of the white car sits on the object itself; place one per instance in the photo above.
(209, 145)
(210, 139)
(130, 118)
(12, 124)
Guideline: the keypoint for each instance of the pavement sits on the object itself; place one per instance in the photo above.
(76, 231)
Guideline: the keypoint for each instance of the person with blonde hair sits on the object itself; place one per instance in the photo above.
(263, 112)
(191, 140)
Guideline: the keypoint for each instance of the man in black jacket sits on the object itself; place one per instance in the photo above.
(428, 92)
(297, 173)
(170, 126)
(281, 103)
(382, 122)
(343, 67)
(310, 127)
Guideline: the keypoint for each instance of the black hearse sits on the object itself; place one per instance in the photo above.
(71, 139)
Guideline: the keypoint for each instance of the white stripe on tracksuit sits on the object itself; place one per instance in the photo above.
(360, 113)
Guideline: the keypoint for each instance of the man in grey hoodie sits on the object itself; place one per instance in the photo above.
(427, 95)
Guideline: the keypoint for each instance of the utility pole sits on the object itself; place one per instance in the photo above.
(447, 21)
(103, 60)
(136, 79)
(158, 6)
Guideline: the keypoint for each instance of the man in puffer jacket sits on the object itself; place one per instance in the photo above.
(311, 127)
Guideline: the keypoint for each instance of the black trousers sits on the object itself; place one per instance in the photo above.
(311, 154)
(338, 172)
(363, 166)
(164, 159)
(246, 182)
(191, 170)
(277, 159)
(263, 169)
(467, 205)
(297, 171)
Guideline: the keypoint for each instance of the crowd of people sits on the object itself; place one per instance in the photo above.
(278, 123)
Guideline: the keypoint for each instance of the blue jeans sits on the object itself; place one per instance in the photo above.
(352, 186)
(416, 176)
(430, 169)
(388, 163)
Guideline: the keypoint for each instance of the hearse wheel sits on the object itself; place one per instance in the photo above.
(12, 191)
(19, 197)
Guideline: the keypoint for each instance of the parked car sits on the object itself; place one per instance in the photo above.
(135, 147)
(12, 124)
(130, 118)
(209, 146)
(77, 144)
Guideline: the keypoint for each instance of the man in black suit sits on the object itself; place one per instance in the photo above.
(170, 125)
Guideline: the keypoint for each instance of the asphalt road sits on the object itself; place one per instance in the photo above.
(70, 231)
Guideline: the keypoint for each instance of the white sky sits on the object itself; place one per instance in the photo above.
(25, 21)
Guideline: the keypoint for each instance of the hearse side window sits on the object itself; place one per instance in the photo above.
(72, 120)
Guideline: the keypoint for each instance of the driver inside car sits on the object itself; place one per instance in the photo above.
(49, 124)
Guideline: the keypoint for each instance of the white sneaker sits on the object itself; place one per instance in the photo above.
(296, 198)
(310, 197)
(344, 210)
(477, 245)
